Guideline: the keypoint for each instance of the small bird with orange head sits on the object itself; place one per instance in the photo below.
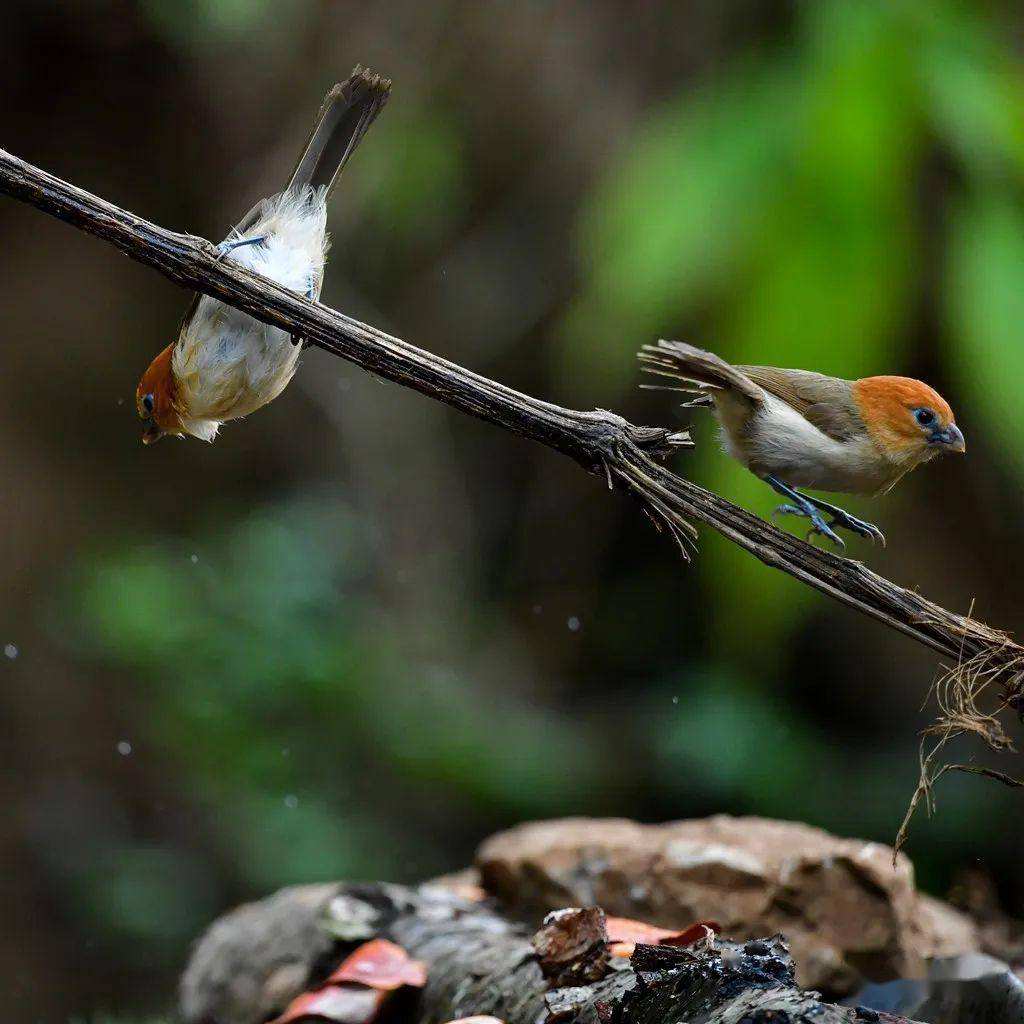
(796, 428)
(225, 363)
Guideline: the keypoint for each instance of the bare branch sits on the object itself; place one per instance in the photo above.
(602, 442)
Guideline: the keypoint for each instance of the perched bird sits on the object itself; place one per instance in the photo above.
(224, 363)
(795, 428)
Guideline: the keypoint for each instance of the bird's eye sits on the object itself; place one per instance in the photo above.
(924, 416)
(147, 403)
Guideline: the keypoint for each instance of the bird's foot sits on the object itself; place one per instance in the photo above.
(818, 524)
(788, 510)
(820, 528)
(845, 521)
(225, 247)
(311, 294)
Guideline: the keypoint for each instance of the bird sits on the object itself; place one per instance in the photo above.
(801, 429)
(225, 364)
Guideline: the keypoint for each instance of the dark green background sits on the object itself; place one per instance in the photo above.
(362, 631)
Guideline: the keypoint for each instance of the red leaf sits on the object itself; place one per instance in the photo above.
(348, 1004)
(359, 986)
(700, 931)
(624, 934)
(622, 929)
(381, 965)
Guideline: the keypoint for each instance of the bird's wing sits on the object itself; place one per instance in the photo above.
(827, 402)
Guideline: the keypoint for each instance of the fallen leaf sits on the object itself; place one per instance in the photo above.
(701, 931)
(346, 1004)
(380, 965)
(624, 934)
(359, 986)
(622, 929)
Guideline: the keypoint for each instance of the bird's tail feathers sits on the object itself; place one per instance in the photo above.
(685, 362)
(699, 398)
(345, 116)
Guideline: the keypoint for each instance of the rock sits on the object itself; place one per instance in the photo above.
(974, 892)
(253, 961)
(464, 883)
(945, 931)
(845, 910)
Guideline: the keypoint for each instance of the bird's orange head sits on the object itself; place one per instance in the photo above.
(907, 419)
(154, 399)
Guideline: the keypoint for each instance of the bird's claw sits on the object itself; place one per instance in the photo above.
(812, 508)
(847, 522)
(818, 524)
(788, 510)
(298, 339)
(820, 527)
(237, 243)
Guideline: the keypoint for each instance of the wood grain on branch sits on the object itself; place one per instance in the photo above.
(627, 456)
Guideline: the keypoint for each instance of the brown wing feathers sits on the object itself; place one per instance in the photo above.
(827, 402)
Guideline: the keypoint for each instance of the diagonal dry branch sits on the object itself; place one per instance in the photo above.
(602, 442)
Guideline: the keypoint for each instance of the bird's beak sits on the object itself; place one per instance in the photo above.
(150, 432)
(951, 439)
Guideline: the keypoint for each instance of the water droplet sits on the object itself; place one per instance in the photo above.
(574, 624)
(291, 801)
(124, 748)
(537, 609)
(10, 651)
(120, 401)
(194, 559)
(675, 700)
(285, 751)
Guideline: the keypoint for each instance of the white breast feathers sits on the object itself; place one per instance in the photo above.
(778, 441)
(227, 364)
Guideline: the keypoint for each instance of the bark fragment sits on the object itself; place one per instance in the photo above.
(572, 946)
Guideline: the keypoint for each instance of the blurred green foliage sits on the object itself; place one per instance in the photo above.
(273, 685)
(829, 184)
(422, 195)
(208, 24)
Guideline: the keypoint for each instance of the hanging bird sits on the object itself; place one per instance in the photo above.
(795, 428)
(224, 363)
